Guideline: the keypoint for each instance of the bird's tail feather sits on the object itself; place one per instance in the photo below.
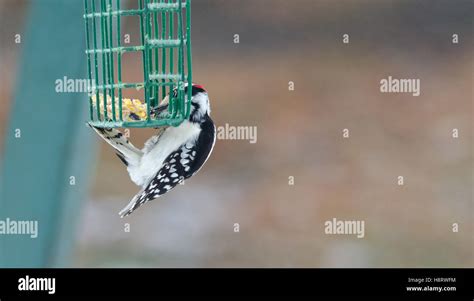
(127, 209)
(134, 204)
(139, 199)
(127, 152)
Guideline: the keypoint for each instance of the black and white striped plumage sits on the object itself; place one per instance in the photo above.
(170, 157)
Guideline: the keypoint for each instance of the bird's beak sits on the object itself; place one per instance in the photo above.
(165, 100)
(162, 108)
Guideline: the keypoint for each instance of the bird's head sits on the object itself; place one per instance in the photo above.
(200, 107)
(199, 103)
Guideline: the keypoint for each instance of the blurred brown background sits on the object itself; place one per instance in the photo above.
(300, 135)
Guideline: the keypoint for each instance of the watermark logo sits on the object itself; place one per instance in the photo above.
(335, 226)
(403, 85)
(230, 132)
(74, 85)
(15, 227)
(28, 283)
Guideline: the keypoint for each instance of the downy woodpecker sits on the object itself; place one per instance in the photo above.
(169, 157)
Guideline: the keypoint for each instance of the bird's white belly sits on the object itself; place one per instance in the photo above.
(152, 160)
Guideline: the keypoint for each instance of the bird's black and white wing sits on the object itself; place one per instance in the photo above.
(178, 166)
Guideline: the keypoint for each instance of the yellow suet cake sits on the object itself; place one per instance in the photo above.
(129, 106)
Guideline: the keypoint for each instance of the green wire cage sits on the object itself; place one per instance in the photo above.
(165, 47)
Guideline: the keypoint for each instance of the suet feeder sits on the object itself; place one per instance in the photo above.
(165, 47)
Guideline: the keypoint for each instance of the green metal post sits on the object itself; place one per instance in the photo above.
(54, 145)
